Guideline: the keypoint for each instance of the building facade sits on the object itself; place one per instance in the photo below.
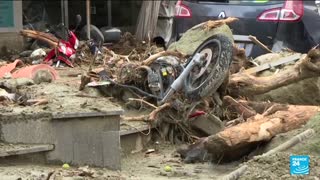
(34, 14)
(10, 25)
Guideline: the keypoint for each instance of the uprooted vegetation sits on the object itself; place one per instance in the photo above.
(225, 126)
(180, 122)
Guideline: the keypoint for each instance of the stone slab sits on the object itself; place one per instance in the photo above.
(19, 149)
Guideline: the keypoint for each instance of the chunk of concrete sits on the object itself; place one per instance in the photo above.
(208, 124)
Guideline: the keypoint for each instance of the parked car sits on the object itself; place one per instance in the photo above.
(293, 24)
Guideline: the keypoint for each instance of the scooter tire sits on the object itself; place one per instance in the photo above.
(220, 68)
(95, 34)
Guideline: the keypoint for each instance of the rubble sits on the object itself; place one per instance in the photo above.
(208, 124)
(225, 126)
(4, 95)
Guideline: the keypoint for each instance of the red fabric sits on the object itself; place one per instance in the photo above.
(196, 114)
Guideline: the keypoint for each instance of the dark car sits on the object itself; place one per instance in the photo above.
(293, 24)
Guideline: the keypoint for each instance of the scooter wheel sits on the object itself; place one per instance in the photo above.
(206, 78)
(95, 34)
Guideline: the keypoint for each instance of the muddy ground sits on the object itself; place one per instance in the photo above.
(64, 94)
(277, 166)
(143, 166)
(134, 167)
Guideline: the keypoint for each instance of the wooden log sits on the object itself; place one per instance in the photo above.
(45, 37)
(236, 141)
(293, 141)
(241, 108)
(243, 84)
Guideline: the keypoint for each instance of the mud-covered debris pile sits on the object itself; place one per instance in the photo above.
(54, 172)
(127, 44)
(308, 147)
(277, 167)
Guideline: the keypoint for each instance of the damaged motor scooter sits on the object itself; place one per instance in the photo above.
(201, 75)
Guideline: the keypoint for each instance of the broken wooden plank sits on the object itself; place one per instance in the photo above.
(273, 64)
(241, 38)
(259, 43)
(19, 149)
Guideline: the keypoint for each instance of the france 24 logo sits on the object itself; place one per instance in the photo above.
(299, 165)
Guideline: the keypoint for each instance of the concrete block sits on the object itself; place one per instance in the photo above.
(19, 149)
(209, 124)
(93, 141)
(33, 131)
(100, 149)
(134, 142)
(111, 150)
(88, 149)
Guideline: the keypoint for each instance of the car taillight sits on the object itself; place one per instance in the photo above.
(291, 11)
(182, 10)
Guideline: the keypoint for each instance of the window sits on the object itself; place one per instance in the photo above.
(6, 14)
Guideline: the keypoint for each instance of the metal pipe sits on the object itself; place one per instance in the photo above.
(109, 13)
(66, 13)
(62, 11)
(88, 18)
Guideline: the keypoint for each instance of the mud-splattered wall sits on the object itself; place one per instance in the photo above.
(10, 24)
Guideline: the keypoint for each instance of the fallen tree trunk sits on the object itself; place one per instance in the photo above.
(236, 141)
(243, 84)
(288, 144)
(263, 122)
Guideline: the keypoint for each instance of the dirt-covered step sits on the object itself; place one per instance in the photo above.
(19, 149)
